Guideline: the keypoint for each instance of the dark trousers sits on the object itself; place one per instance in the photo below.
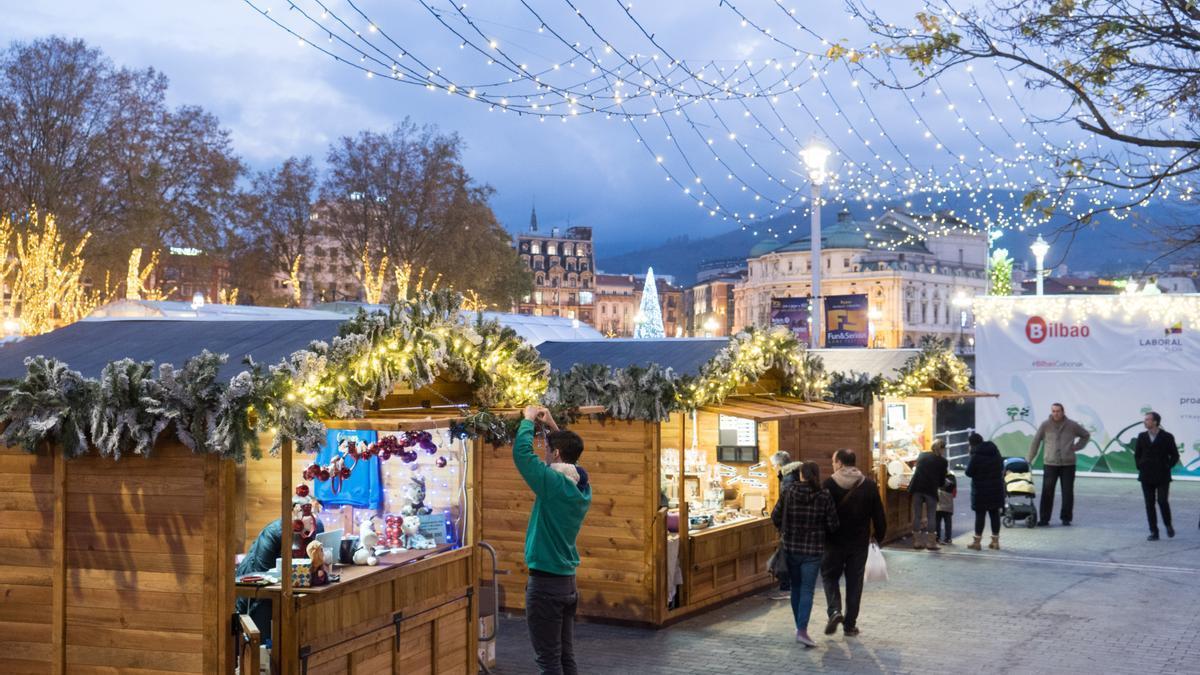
(924, 507)
(943, 525)
(1157, 493)
(1050, 478)
(993, 515)
(550, 614)
(850, 562)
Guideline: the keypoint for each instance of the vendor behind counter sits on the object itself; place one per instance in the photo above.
(266, 549)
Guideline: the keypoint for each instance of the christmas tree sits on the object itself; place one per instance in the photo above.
(650, 324)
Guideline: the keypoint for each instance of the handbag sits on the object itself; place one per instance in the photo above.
(777, 564)
(876, 569)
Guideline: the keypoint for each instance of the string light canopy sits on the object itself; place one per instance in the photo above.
(955, 147)
(1160, 309)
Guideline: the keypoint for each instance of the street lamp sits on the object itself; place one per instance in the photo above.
(815, 156)
(1040, 248)
(962, 302)
(873, 316)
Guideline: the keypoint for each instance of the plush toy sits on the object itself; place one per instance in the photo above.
(413, 539)
(317, 570)
(414, 496)
(304, 522)
(367, 541)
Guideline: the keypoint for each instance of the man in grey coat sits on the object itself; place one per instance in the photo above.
(1063, 437)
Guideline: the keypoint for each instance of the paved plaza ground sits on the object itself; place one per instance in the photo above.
(1092, 598)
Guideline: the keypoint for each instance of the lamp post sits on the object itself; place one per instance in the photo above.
(873, 316)
(1040, 248)
(815, 156)
(962, 302)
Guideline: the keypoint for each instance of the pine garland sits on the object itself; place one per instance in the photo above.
(130, 406)
(935, 368)
(53, 403)
(653, 393)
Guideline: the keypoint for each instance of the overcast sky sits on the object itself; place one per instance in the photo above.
(280, 98)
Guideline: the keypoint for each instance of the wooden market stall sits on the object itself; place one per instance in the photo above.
(417, 609)
(128, 565)
(904, 418)
(907, 426)
(640, 561)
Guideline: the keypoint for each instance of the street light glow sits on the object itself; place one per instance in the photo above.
(815, 156)
(1040, 248)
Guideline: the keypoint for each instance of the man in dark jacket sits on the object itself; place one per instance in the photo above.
(1155, 454)
(861, 518)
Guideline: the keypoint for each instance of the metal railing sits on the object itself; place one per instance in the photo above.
(951, 444)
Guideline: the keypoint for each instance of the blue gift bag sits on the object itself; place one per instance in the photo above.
(364, 488)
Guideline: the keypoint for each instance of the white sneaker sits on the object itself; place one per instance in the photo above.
(803, 638)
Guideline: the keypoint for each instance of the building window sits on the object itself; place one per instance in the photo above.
(960, 256)
(551, 249)
(537, 297)
(567, 249)
(536, 248)
(924, 312)
(845, 262)
(908, 312)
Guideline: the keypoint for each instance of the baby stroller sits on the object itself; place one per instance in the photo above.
(1019, 493)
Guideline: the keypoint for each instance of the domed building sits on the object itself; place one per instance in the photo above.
(911, 268)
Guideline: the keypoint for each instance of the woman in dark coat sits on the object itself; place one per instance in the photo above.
(927, 477)
(986, 471)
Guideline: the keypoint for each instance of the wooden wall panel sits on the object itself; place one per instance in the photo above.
(26, 585)
(616, 575)
(352, 629)
(821, 435)
(113, 565)
(135, 562)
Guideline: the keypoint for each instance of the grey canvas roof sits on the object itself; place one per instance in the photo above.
(87, 346)
(687, 356)
(885, 362)
(683, 355)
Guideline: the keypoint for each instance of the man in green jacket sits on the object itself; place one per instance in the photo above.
(1063, 437)
(562, 497)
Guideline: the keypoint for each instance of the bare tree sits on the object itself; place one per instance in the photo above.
(279, 206)
(1130, 73)
(405, 194)
(98, 146)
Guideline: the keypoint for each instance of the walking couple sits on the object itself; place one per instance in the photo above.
(826, 528)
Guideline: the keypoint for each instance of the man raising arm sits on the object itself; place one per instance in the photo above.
(562, 497)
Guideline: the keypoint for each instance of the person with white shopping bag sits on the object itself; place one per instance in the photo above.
(861, 517)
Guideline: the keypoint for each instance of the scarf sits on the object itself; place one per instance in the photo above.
(848, 477)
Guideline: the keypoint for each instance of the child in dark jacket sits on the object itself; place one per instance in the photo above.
(945, 508)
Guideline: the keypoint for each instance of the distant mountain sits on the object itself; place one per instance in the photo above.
(1110, 248)
(680, 256)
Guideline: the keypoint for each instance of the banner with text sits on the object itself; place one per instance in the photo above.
(846, 321)
(791, 313)
(1108, 360)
